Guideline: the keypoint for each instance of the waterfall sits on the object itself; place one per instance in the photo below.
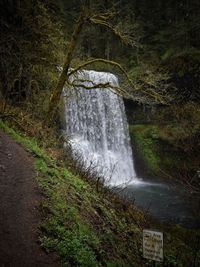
(96, 125)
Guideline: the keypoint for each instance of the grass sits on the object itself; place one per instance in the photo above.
(73, 239)
(89, 228)
(29, 144)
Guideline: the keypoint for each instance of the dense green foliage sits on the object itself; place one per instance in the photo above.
(31, 48)
(165, 48)
(171, 41)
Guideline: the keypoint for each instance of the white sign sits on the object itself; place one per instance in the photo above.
(153, 245)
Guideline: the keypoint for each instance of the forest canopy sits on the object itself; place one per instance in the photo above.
(164, 53)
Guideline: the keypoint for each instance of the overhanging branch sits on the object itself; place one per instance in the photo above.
(126, 39)
(116, 89)
(104, 61)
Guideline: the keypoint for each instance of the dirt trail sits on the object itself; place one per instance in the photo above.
(19, 215)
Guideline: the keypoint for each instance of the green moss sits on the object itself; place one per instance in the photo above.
(145, 139)
(159, 157)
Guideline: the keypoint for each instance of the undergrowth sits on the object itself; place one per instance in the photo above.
(89, 228)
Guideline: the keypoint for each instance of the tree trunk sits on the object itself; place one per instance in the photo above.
(63, 77)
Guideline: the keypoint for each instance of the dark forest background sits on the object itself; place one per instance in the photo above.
(165, 49)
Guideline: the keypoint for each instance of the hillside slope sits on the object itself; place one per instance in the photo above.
(84, 227)
(85, 224)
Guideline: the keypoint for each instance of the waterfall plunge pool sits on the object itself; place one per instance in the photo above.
(165, 202)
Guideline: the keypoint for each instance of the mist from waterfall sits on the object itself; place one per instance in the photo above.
(97, 127)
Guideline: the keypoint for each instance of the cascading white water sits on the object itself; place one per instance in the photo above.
(97, 128)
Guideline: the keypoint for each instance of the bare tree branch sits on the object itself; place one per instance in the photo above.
(116, 89)
(125, 38)
(104, 61)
